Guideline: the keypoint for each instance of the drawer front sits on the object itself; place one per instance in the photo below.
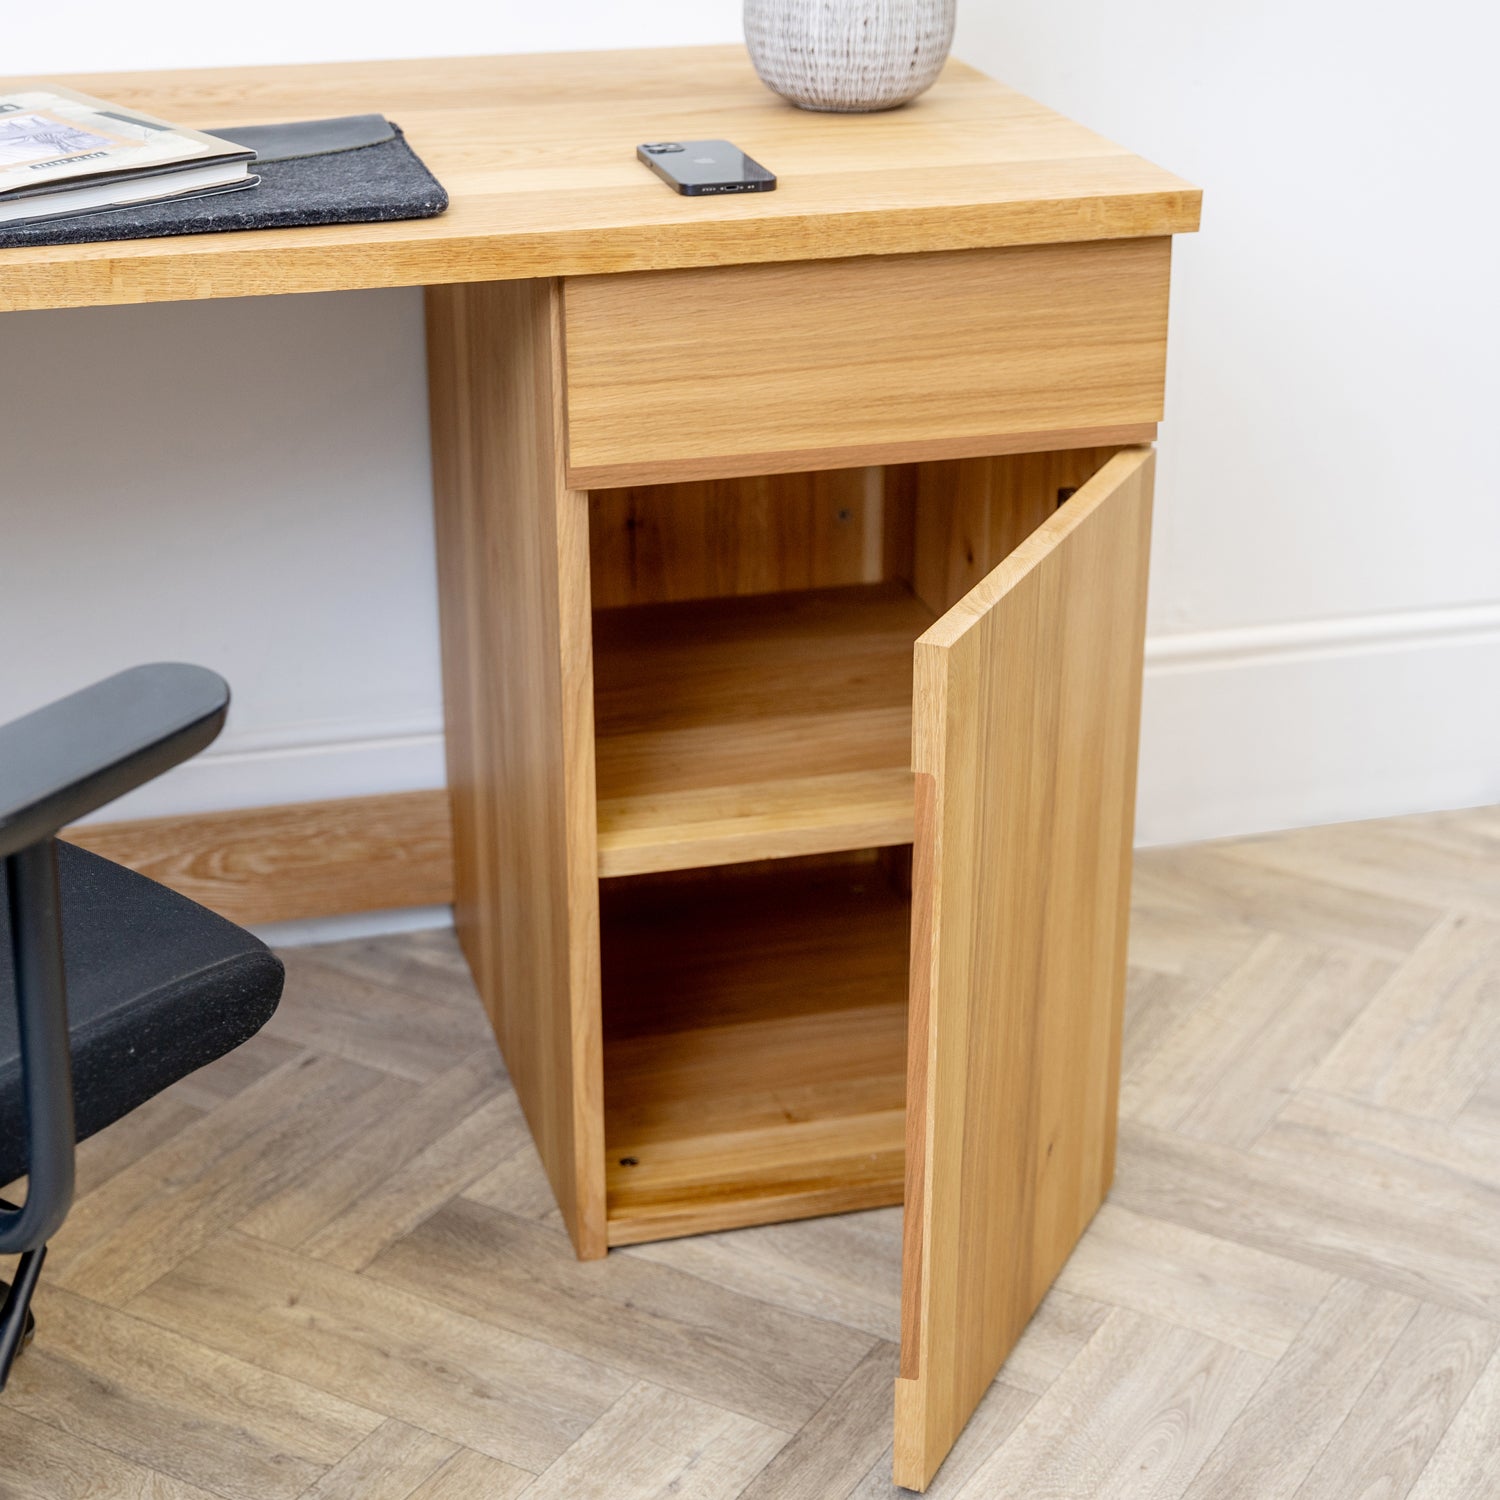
(703, 373)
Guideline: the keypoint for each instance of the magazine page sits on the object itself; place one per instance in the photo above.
(51, 135)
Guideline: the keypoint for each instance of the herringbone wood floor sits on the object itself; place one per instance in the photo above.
(329, 1266)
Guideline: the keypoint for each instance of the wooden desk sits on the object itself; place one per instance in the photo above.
(792, 558)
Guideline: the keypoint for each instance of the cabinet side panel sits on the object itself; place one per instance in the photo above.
(513, 582)
(1027, 715)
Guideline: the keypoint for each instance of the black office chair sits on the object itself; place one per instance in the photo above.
(111, 986)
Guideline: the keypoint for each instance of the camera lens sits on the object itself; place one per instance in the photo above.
(660, 148)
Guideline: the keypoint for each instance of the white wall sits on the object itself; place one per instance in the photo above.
(244, 483)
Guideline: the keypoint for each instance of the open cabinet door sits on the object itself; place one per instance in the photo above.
(1027, 716)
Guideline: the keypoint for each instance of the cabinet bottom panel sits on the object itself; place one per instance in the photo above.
(754, 1044)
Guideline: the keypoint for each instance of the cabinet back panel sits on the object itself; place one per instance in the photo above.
(719, 538)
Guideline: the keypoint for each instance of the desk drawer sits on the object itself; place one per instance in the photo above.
(703, 373)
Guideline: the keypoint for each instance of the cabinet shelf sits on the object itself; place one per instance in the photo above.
(730, 730)
(754, 1045)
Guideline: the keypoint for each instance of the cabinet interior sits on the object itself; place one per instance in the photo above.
(753, 713)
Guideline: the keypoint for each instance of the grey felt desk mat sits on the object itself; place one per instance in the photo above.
(339, 183)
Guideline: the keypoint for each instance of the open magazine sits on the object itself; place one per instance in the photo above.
(63, 153)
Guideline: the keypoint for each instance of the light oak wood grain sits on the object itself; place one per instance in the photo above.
(179, 1408)
(537, 153)
(334, 1185)
(1401, 1415)
(1430, 1039)
(754, 820)
(505, 1394)
(1028, 700)
(387, 1465)
(45, 1464)
(656, 1442)
(872, 360)
(845, 1268)
(473, 1476)
(1177, 1275)
(302, 859)
(754, 1048)
(846, 1435)
(1233, 1245)
(648, 1321)
(969, 515)
(513, 583)
(405, 1194)
(740, 729)
(1349, 1208)
(1263, 1032)
(1278, 1437)
(763, 534)
(1463, 1468)
(1092, 1434)
(158, 1211)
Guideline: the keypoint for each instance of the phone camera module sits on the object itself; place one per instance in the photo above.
(660, 148)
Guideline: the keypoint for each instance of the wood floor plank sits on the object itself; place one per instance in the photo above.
(1468, 1146)
(1463, 1467)
(1447, 859)
(1396, 1424)
(1271, 1448)
(104, 1155)
(1237, 1057)
(473, 1476)
(234, 1072)
(1431, 1037)
(1230, 1292)
(404, 1197)
(1390, 1221)
(508, 1395)
(333, 1185)
(167, 1403)
(330, 1266)
(840, 1441)
(159, 1210)
(999, 1413)
(1059, 1331)
(655, 1442)
(1207, 879)
(1134, 1415)
(388, 1465)
(518, 1185)
(348, 1016)
(845, 1268)
(427, 964)
(1194, 944)
(655, 1323)
(42, 1463)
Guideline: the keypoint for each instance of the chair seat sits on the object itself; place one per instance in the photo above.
(157, 987)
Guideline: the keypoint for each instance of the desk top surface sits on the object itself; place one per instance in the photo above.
(538, 155)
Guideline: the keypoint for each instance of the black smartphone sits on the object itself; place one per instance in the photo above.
(699, 167)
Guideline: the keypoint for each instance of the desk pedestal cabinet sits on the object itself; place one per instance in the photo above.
(792, 624)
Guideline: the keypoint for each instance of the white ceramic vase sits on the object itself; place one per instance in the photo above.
(849, 55)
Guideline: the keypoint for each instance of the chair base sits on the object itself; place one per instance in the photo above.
(17, 1321)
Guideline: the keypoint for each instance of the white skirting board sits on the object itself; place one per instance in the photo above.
(1331, 721)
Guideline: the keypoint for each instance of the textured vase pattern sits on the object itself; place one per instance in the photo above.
(849, 55)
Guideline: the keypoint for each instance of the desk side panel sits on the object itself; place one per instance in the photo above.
(513, 583)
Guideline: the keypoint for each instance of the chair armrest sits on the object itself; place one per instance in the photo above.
(75, 755)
